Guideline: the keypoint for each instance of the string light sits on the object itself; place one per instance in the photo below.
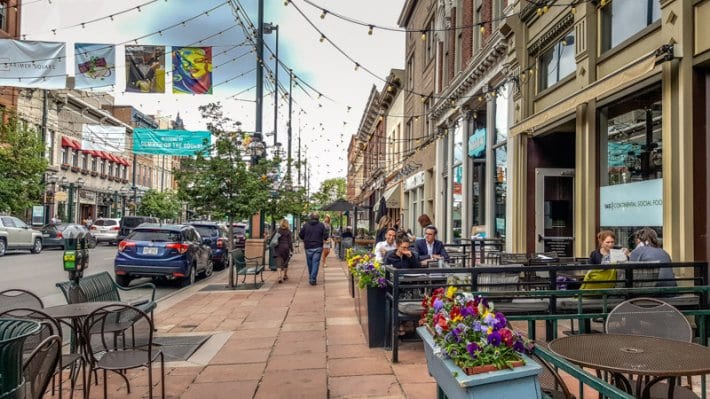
(369, 31)
(423, 35)
(357, 66)
(322, 15)
(322, 38)
(286, 2)
(482, 29)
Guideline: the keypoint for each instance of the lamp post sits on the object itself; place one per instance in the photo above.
(79, 183)
(49, 196)
(124, 195)
(270, 28)
(114, 204)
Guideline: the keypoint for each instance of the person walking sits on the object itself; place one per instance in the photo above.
(327, 243)
(313, 235)
(283, 249)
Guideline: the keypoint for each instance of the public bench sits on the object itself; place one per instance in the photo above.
(101, 287)
(526, 301)
(248, 267)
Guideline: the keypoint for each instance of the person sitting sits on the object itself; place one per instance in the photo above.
(430, 248)
(348, 233)
(648, 250)
(402, 257)
(382, 247)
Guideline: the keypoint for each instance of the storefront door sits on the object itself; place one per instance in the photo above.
(554, 212)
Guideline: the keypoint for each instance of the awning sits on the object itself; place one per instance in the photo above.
(71, 143)
(392, 196)
(624, 77)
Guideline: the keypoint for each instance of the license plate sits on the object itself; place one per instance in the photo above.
(150, 251)
(45, 235)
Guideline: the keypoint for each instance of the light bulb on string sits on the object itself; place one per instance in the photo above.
(322, 15)
(370, 29)
(423, 35)
(322, 38)
(357, 66)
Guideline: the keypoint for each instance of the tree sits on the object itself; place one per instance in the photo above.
(163, 205)
(21, 167)
(330, 191)
(292, 201)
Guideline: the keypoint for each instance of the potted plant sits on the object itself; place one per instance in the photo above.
(369, 276)
(471, 350)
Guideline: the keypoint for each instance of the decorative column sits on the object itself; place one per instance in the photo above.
(466, 186)
(586, 207)
(490, 179)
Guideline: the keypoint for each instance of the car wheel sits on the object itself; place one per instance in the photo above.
(37, 246)
(123, 280)
(209, 269)
(190, 279)
(3, 246)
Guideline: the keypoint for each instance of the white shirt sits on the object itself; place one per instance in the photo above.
(381, 248)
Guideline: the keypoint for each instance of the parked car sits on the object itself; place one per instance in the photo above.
(53, 235)
(170, 251)
(128, 223)
(15, 234)
(216, 233)
(240, 235)
(106, 230)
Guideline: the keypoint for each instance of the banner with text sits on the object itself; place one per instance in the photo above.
(103, 138)
(41, 65)
(95, 66)
(170, 142)
(633, 204)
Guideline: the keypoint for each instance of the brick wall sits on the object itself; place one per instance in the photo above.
(487, 15)
(451, 61)
(467, 34)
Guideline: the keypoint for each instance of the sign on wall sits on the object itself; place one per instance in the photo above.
(477, 143)
(632, 204)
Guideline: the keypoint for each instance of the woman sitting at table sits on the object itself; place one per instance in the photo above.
(402, 257)
(601, 278)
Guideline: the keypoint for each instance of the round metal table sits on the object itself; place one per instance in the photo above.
(76, 310)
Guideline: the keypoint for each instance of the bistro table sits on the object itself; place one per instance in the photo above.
(641, 356)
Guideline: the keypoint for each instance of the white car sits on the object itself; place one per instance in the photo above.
(105, 230)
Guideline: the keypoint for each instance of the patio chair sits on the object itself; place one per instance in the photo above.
(551, 382)
(15, 298)
(40, 366)
(105, 354)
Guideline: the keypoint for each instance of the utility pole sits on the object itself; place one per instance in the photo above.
(290, 104)
(259, 71)
(299, 155)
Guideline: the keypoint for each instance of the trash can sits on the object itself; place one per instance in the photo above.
(13, 333)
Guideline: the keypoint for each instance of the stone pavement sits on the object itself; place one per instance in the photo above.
(289, 340)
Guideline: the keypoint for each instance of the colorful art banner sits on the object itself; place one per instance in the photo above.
(95, 66)
(41, 65)
(103, 138)
(169, 142)
(192, 70)
(145, 69)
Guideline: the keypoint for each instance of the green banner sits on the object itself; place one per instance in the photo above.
(169, 142)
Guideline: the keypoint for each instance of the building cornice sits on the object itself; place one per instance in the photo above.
(551, 34)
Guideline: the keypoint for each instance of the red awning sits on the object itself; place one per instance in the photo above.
(125, 162)
(71, 143)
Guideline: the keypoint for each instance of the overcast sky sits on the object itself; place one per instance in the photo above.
(325, 125)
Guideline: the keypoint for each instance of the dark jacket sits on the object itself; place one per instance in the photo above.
(313, 233)
(381, 235)
(285, 247)
(403, 262)
(420, 247)
(596, 257)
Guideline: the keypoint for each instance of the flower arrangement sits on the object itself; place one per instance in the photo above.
(470, 332)
(368, 271)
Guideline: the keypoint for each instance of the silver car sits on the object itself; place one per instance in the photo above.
(15, 234)
(105, 230)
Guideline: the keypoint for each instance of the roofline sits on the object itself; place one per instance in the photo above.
(406, 13)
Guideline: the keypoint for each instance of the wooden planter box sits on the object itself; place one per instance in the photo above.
(371, 309)
(519, 382)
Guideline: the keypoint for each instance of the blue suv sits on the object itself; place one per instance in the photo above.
(216, 233)
(170, 251)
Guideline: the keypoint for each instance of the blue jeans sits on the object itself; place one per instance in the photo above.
(313, 256)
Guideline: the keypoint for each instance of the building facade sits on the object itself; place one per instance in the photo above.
(9, 29)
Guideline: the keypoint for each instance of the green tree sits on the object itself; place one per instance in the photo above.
(330, 191)
(21, 167)
(288, 201)
(163, 205)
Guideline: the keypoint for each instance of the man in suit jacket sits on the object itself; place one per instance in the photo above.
(430, 248)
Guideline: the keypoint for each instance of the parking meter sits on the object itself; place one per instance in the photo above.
(76, 255)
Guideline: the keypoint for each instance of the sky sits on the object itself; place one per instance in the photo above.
(325, 122)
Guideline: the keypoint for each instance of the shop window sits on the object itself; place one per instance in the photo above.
(631, 179)
(500, 153)
(623, 19)
(557, 62)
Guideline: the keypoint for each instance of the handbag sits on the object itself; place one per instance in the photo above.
(596, 279)
(275, 240)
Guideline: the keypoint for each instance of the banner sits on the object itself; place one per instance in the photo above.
(145, 69)
(41, 65)
(169, 142)
(103, 138)
(95, 65)
(192, 70)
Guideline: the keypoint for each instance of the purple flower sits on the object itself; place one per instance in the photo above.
(518, 346)
(494, 338)
(467, 311)
(438, 304)
(477, 327)
(490, 319)
(472, 348)
(500, 320)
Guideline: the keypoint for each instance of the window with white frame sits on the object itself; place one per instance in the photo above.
(65, 155)
(75, 158)
(557, 62)
(103, 166)
(623, 19)
(84, 161)
(430, 41)
(94, 163)
(3, 15)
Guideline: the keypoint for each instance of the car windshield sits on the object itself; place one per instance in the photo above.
(155, 235)
(239, 230)
(208, 231)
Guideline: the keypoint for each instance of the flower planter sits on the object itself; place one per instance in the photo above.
(351, 284)
(371, 309)
(519, 382)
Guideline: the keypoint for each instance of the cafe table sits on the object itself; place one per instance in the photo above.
(657, 358)
(76, 312)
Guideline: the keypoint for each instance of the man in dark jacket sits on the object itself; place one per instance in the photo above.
(430, 248)
(314, 235)
(402, 257)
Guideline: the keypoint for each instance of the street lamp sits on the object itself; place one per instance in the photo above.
(79, 183)
(124, 194)
(49, 196)
(270, 28)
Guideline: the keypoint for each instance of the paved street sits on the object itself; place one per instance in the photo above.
(39, 273)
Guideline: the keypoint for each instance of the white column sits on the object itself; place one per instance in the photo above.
(466, 186)
(490, 175)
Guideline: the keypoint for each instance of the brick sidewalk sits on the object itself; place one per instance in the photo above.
(290, 340)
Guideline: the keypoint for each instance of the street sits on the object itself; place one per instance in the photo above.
(39, 273)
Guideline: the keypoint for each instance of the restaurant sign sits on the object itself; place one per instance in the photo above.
(633, 204)
(477, 143)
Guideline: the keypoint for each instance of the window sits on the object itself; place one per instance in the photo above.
(557, 62)
(103, 166)
(430, 43)
(75, 158)
(65, 155)
(500, 153)
(125, 173)
(3, 15)
(50, 146)
(85, 161)
(94, 163)
(623, 19)
(110, 169)
(410, 73)
(427, 111)
(409, 139)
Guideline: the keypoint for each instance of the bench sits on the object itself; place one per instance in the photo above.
(248, 267)
(101, 287)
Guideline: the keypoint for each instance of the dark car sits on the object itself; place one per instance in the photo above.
(128, 223)
(53, 235)
(170, 251)
(216, 233)
(240, 235)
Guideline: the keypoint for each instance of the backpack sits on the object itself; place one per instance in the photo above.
(275, 240)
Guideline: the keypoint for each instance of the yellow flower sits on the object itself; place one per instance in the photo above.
(450, 292)
(490, 330)
(457, 319)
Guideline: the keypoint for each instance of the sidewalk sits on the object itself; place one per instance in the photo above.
(289, 340)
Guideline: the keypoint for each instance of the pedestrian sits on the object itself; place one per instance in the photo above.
(283, 249)
(402, 257)
(327, 243)
(313, 235)
(89, 222)
(382, 227)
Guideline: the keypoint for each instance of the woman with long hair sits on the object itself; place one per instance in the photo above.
(328, 242)
(283, 250)
(606, 240)
(382, 227)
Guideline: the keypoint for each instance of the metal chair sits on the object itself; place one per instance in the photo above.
(551, 382)
(15, 298)
(41, 365)
(105, 353)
